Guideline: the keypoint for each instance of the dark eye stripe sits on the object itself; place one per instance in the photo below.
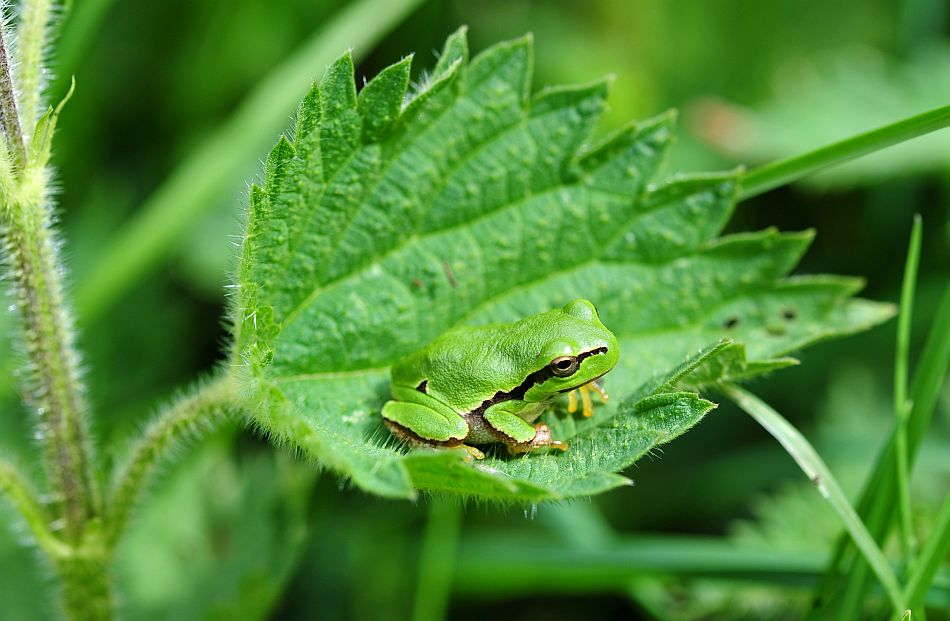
(592, 352)
(538, 377)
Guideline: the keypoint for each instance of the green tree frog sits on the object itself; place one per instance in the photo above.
(489, 384)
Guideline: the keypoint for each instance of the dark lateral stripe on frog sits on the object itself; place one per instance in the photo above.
(539, 376)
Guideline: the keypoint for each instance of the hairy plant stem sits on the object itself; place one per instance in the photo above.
(24, 499)
(8, 105)
(87, 586)
(56, 391)
(31, 39)
(206, 409)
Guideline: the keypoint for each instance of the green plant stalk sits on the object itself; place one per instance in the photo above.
(437, 560)
(770, 176)
(933, 553)
(31, 41)
(36, 276)
(505, 565)
(9, 119)
(87, 586)
(876, 505)
(815, 469)
(24, 499)
(199, 181)
(206, 409)
(901, 405)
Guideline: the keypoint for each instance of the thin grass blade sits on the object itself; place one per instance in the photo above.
(815, 469)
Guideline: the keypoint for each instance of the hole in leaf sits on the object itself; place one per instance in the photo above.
(789, 314)
(731, 323)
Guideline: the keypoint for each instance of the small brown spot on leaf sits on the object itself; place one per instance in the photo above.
(449, 274)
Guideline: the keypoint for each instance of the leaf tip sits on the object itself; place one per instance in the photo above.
(453, 52)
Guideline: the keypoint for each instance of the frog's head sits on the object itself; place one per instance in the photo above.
(574, 349)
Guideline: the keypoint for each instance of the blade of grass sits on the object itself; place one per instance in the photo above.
(531, 562)
(901, 405)
(935, 550)
(582, 525)
(503, 564)
(815, 469)
(846, 580)
(775, 174)
(437, 559)
(206, 174)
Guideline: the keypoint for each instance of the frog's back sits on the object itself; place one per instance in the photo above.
(462, 367)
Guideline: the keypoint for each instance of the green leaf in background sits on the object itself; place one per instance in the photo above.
(390, 217)
(238, 531)
(856, 90)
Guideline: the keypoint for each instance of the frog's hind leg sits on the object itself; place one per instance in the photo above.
(418, 418)
(418, 424)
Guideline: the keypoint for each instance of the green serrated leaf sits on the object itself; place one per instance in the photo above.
(471, 202)
(381, 99)
(45, 127)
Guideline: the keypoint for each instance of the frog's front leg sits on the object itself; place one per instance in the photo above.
(519, 435)
(418, 418)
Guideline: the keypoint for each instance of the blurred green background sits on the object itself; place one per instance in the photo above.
(236, 529)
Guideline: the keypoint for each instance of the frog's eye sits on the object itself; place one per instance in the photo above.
(564, 366)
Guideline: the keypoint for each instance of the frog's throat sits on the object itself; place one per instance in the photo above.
(541, 375)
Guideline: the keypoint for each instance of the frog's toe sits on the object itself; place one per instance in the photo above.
(542, 439)
(473, 453)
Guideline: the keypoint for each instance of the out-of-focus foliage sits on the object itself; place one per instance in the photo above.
(235, 540)
(855, 90)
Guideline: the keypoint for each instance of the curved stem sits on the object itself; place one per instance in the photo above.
(23, 498)
(770, 176)
(205, 410)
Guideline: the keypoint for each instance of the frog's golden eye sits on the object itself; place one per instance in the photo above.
(564, 366)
